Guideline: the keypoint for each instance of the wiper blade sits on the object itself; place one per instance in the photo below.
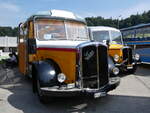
(80, 38)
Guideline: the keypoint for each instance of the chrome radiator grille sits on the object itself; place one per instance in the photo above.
(94, 66)
(127, 55)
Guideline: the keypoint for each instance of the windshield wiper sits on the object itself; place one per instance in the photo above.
(80, 38)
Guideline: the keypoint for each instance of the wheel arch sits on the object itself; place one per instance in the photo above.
(41, 71)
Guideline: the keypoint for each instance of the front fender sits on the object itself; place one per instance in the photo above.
(46, 72)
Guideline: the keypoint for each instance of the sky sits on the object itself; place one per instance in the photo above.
(12, 12)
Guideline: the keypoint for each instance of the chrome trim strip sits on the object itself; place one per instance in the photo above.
(90, 43)
(81, 72)
(98, 82)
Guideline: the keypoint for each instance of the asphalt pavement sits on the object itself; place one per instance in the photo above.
(132, 96)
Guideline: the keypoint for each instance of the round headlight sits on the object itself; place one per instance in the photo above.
(116, 58)
(115, 71)
(137, 56)
(61, 77)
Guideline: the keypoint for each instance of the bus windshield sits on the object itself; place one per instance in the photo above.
(60, 30)
(116, 37)
(113, 37)
(100, 36)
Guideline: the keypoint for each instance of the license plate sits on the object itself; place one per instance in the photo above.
(130, 67)
(99, 94)
(69, 86)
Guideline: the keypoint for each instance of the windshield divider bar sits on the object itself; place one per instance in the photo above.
(66, 30)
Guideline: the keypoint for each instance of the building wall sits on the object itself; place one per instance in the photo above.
(8, 41)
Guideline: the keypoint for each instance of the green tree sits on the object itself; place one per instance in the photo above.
(127, 22)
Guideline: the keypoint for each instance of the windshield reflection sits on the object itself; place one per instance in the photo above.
(60, 30)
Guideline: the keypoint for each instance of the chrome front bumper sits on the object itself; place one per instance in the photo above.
(64, 92)
(128, 67)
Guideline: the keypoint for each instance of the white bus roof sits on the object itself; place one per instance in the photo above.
(100, 28)
(62, 14)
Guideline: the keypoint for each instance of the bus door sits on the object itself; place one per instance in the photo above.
(22, 49)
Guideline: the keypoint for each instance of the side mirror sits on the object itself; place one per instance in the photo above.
(32, 46)
(106, 42)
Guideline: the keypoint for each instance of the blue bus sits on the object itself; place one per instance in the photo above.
(138, 37)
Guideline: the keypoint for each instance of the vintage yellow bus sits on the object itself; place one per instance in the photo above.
(122, 55)
(55, 50)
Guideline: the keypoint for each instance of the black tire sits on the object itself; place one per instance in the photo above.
(41, 97)
(132, 71)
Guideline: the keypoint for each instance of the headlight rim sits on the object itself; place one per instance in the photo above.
(61, 77)
(116, 57)
(115, 69)
(137, 56)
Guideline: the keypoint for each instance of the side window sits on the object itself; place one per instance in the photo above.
(22, 33)
(139, 33)
(147, 32)
(125, 34)
(128, 34)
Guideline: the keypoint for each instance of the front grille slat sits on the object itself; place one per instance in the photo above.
(103, 65)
